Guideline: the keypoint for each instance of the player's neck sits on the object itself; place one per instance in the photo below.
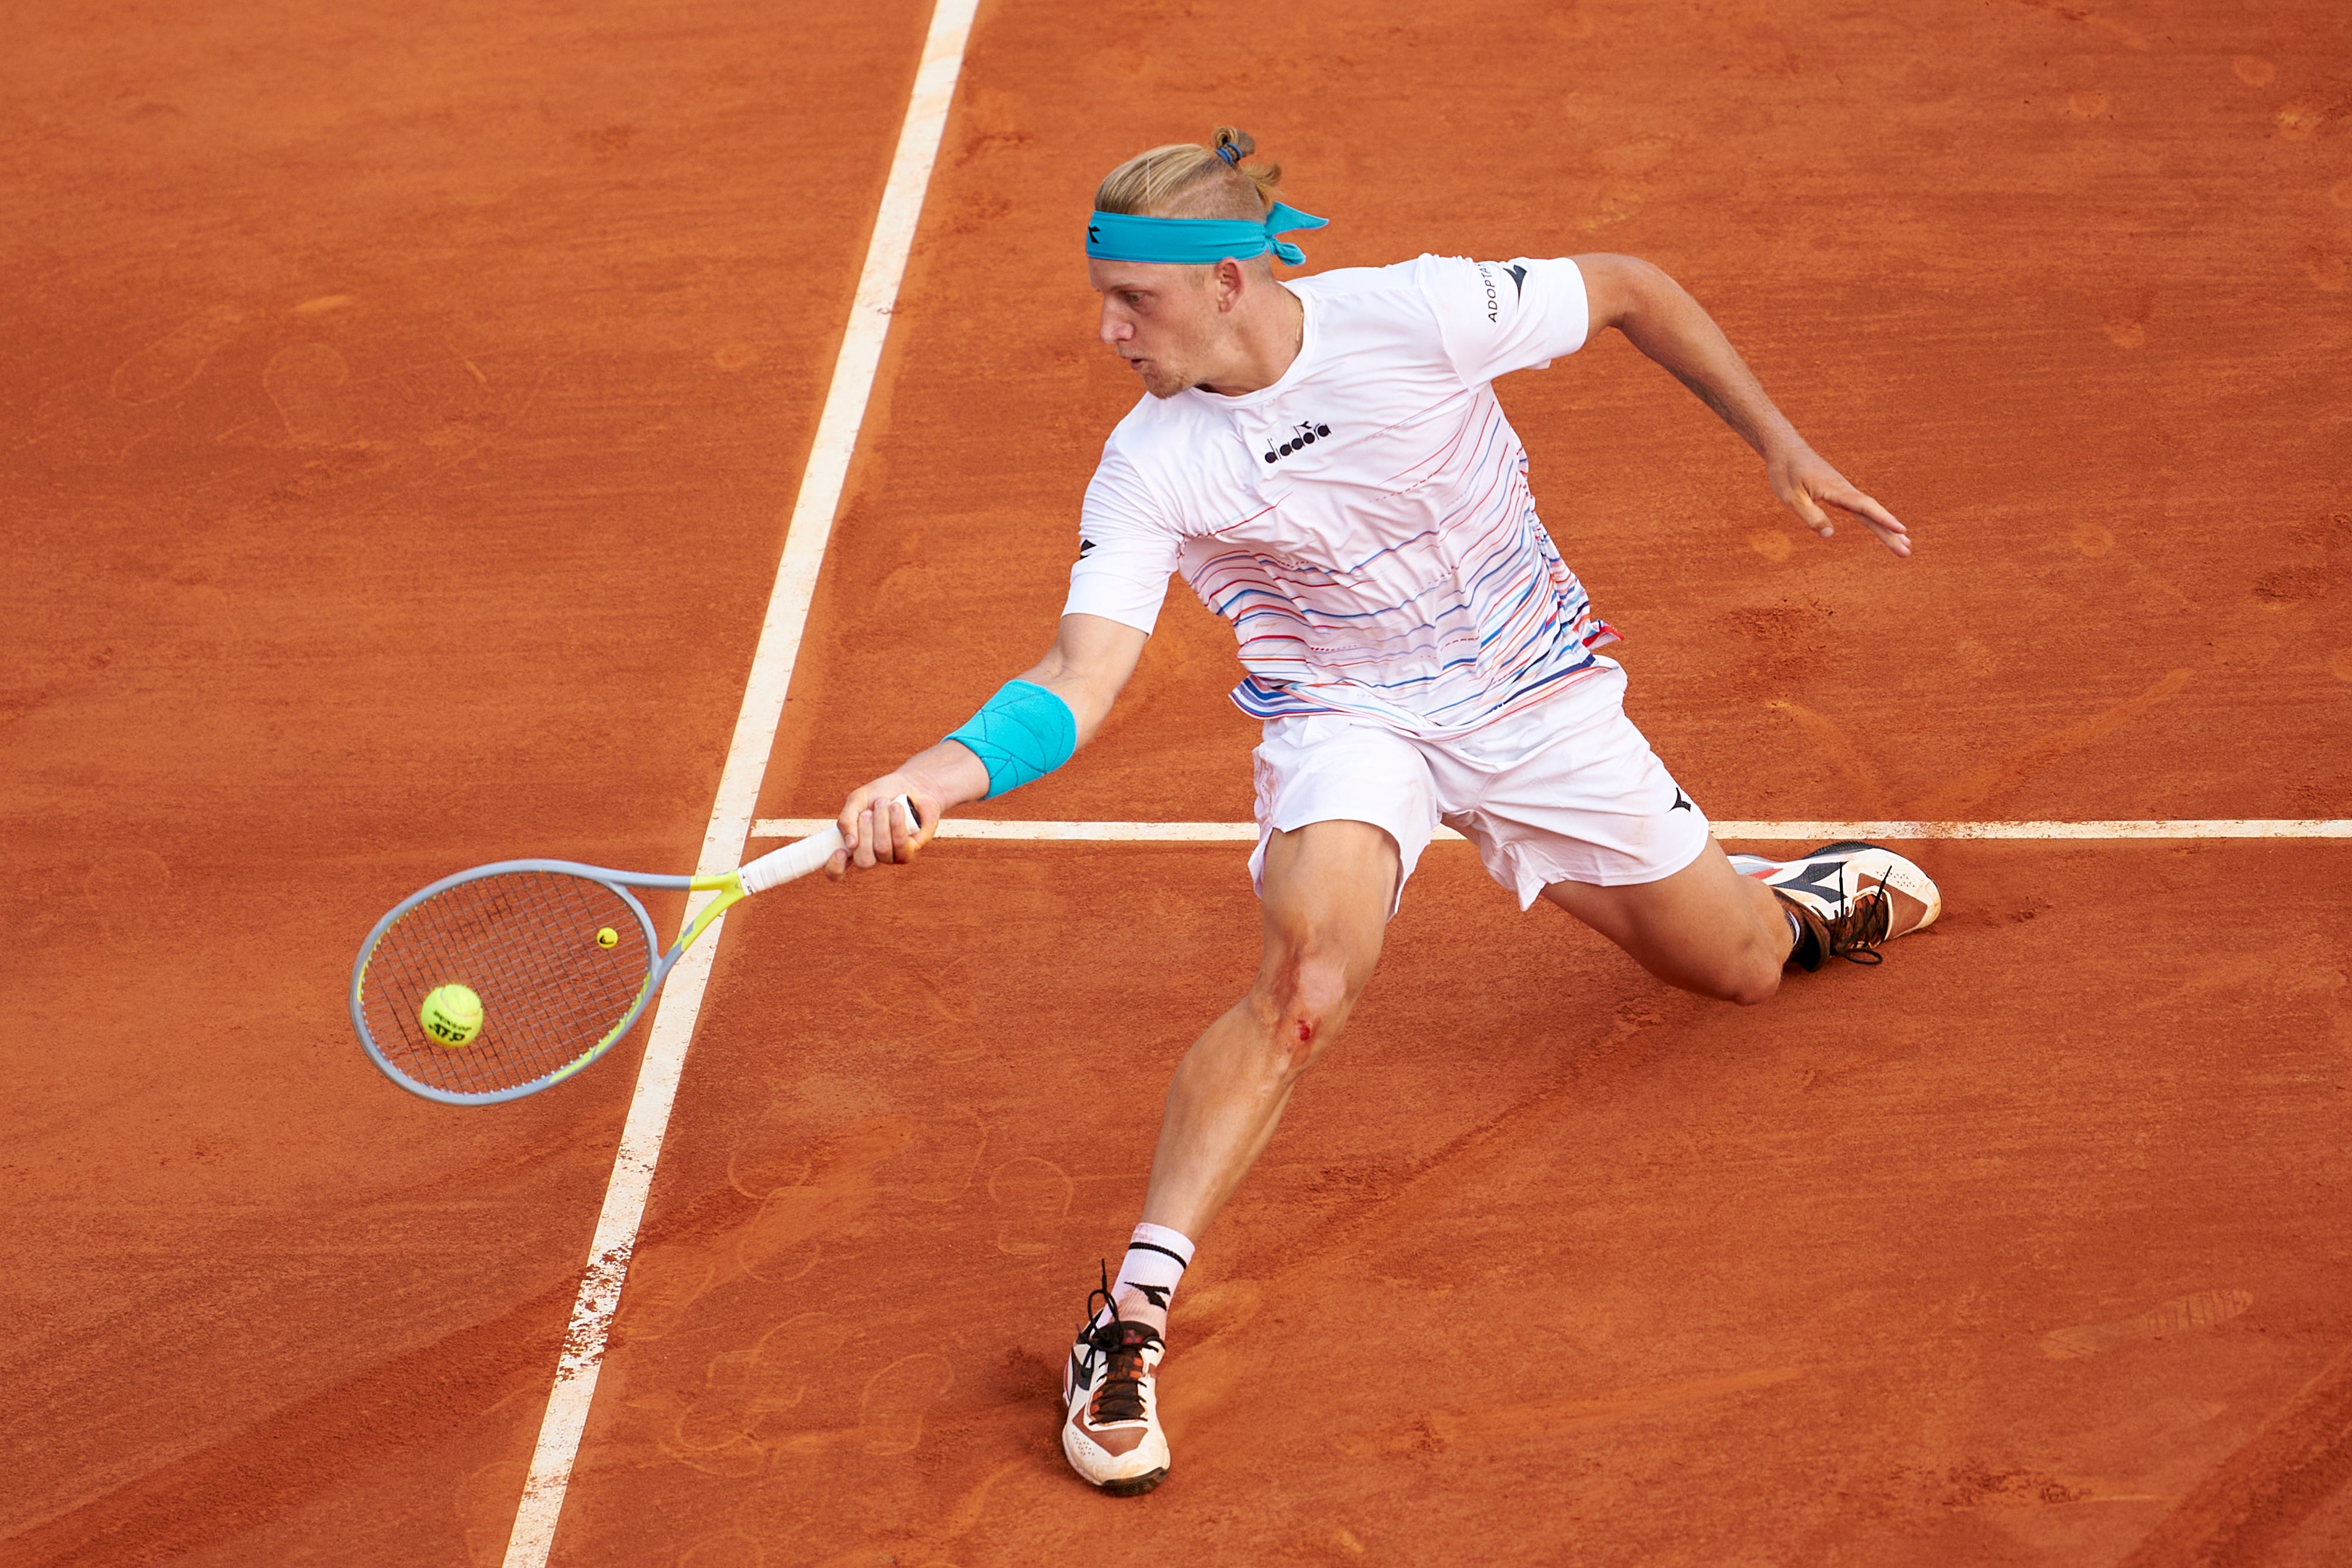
(1265, 342)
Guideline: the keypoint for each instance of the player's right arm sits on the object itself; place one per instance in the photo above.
(1087, 666)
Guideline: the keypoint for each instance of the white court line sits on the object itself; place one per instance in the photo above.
(1212, 832)
(739, 784)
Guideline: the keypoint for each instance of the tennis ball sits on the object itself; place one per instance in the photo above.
(452, 1014)
(607, 938)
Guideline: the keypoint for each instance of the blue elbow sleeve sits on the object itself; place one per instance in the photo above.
(1022, 733)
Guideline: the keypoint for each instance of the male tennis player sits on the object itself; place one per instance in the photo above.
(1326, 464)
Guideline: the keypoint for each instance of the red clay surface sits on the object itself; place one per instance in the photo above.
(402, 418)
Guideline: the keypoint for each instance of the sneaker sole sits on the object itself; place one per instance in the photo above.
(1134, 1486)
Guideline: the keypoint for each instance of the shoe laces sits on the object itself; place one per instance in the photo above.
(1858, 927)
(1118, 1395)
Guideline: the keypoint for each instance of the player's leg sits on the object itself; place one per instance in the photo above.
(1329, 889)
(1344, 811)
(1704, 928)
(1568, 802)
(1710, 926)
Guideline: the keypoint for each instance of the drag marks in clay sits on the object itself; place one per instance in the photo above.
(1976, 1483)
(1834, 742)
(1214, 1364)
(1989, 783)
(2207, 1309)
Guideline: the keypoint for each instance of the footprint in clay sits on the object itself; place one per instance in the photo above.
(171, 363)
(304, 382)
(1032, 1198)
(890, 1412)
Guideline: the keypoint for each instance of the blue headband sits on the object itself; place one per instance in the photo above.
(1196, 242)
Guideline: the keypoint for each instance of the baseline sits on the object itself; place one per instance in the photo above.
(822, 482)
(1213, 832)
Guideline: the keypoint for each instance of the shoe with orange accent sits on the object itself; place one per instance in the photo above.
(1850, 898)
(1110, 1424)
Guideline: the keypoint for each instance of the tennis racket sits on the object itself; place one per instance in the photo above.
(561, 955)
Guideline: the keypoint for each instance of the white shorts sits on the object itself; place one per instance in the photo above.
(1568, 791)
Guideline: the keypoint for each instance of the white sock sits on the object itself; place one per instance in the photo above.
(1155, 1260)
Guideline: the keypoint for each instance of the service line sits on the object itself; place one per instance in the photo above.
(1767, 832)
(739, 783)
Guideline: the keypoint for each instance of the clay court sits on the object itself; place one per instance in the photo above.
(406, 411)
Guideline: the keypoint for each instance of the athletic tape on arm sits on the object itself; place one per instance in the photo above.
(1024, 732)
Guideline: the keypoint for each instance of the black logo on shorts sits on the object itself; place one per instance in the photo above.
(1305, 434)
(1084, 547)
(1681, 801)
(1518, 280)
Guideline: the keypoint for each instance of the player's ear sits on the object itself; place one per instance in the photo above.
(1230, 282)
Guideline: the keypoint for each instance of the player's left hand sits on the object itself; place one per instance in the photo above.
(1807, 485)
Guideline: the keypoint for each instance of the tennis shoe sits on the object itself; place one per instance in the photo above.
(1110, 1424)
(1850, 898)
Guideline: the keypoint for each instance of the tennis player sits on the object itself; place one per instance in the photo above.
(1325, 462)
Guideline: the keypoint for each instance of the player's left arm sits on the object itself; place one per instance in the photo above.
(1663, 321)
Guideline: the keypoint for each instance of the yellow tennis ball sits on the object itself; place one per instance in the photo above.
(452, 1014)
(608, 938)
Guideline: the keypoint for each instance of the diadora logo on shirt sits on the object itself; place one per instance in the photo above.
(1304, 435)
(1518, 276)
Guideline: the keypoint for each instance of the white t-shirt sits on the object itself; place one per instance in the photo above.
(1364, 522)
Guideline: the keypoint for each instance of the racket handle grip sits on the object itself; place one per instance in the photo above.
(778, 867)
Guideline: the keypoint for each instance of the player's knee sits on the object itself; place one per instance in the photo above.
(1756, 978)
(1302, 999)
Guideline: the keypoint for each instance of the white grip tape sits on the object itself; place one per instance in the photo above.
(778, 867)
(794, 860)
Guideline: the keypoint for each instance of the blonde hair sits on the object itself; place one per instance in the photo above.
(1184, 179)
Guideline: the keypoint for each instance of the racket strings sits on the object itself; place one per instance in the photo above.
(525, 942)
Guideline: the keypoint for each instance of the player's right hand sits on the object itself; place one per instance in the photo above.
(875, 830)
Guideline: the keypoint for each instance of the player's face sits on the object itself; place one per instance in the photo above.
(1160, 319)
